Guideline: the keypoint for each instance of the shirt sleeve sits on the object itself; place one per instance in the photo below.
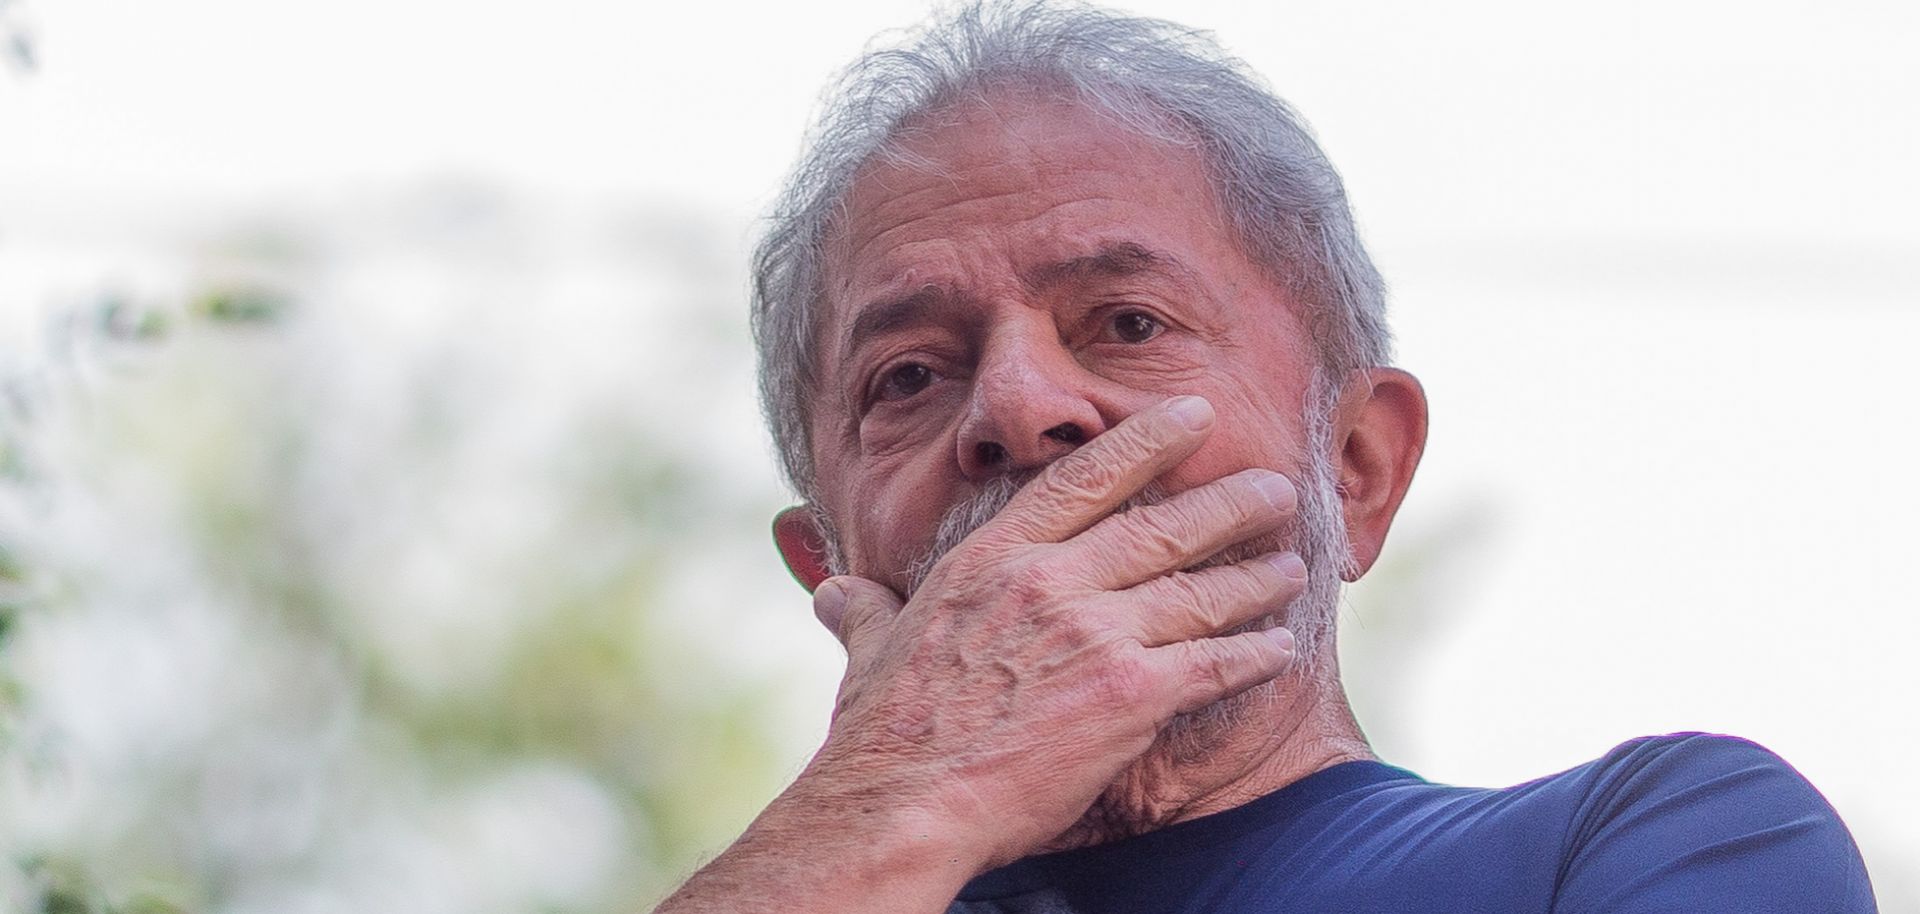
(1700, 823)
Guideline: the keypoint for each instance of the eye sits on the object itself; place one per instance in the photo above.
(903, 381)
(1136, 326)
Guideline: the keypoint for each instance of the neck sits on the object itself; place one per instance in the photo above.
(1230, 754)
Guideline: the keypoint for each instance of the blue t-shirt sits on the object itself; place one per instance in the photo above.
(1682, 823)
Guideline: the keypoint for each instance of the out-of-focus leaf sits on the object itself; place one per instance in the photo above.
(242, 305)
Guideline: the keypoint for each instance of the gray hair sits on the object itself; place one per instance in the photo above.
(1281, 196)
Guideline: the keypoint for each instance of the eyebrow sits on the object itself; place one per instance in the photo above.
(1115, 260)
(1111, 261)
(893, 314)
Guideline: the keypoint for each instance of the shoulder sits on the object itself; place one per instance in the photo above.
(1704, 822)
(1681, 768)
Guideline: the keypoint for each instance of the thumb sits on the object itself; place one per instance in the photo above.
(853, 608)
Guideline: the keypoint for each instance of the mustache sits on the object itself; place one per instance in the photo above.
(962, 519)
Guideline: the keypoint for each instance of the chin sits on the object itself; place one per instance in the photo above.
(1195, 755)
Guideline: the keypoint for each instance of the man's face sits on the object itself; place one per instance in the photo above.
(1024, 276)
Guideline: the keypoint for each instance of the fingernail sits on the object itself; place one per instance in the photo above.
(1289, 564)
(1193, 412)
(1282, 639)
(1278, 490)
(829, 598)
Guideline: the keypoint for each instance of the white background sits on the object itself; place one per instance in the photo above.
(1656, 263)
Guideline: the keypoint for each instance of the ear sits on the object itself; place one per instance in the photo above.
(802, 546)
(1379, 432)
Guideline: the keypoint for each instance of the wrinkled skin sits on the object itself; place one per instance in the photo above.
(1036, 330)
(1033, 288)
(1032, 655)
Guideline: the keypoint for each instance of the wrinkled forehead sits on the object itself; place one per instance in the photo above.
(1048, 129)
(1019, 152)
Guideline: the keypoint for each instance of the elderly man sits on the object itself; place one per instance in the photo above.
(1073, 353)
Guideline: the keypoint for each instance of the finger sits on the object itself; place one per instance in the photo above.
(1188, 605)
(1145, 542)
(1209, 669)
(1076, 490)
(854, 609)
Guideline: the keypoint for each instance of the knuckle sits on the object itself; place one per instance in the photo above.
(1244, 502)
(1178, 525)
(1130, 441)
(1014, 527)
(1081, 477)
(1154, 532)
(1075, 631)
(962, 564)
(861, 621)
(1191, 606)
(1214, 674)
(1030, 583)
(1191, 593)
(1248, 581)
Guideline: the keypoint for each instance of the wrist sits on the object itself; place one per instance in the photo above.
(874, 836)
(824, 847)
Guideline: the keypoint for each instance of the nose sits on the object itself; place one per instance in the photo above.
(1030, 405)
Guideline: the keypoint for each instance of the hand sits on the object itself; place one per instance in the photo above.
(1045, 652)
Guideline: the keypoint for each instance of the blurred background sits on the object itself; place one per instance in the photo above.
(383, 501)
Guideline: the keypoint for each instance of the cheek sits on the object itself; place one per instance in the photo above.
(894, 502)
(1173, 365)
(1252, 430)
(1262, 396)
(891, 432)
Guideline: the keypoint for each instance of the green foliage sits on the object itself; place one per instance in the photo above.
(385, 665)
(120, 319)
(234, 305)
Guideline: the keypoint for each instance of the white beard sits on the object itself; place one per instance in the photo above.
(1318, 533)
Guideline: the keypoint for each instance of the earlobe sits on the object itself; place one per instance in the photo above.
(1379, 433)
(802, 546)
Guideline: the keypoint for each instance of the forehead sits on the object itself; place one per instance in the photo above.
(1007, 183)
